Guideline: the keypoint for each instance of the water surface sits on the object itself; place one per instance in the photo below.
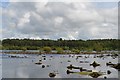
(26, 67)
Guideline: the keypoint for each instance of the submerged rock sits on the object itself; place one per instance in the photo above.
(95, 74)
(105, 77)
(40, 60)
(70, 67)
(94, 57)
(81, 62)
(79, 56)
(43, 66)
(51, 56)
(68, 72)
(38, 63)
(87, 72)
(48, 65)
(115, 54)
(86, 57)
(61, 62)
(100, 56)
(68, 61)
(12, 56)
(108, 55)
(52, 74)
(73, 67)
(44, 58)
(84, 61)
(110, 63)
(81, 69)
(108, 72)
(116, 66)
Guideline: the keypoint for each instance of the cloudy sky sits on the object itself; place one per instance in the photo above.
(53, 20)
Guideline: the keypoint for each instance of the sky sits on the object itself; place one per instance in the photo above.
(54, 20)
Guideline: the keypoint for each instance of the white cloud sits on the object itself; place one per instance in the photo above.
(82, 20)
(24, 20)
(58, 21)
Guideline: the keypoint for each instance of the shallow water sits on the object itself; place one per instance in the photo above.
(26, 67)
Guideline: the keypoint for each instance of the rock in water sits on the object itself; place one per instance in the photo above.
(52, 74)
(94, 64)
(95, 74)
(43, 66)
(72, 67)
(48, 65)
(110, 63)
(108, 72)
(68, 72)
(38, 63)
(116, 66)
(105, 77)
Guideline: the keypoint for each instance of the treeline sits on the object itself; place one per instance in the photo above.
(83, 45)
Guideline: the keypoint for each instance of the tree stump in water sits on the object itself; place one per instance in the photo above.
(94, 64)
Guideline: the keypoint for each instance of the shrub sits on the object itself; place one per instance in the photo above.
(59, 50)
(75, 50)
(47, 49)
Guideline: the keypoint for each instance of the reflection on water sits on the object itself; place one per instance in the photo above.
(54, 63)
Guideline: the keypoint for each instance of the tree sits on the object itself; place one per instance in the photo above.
(47, 49)
(87, 45)
(66, 48)
(59, 50)
(89, 50)
(75, 50)
(24, 49)
(60, 39)
(1, 47)
(40, 50)
(98, 47)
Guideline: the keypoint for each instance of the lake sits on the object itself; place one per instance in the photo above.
(57, 63)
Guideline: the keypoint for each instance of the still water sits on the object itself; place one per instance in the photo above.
(26, 67)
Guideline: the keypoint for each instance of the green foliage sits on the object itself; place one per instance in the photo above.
(89, 50)
(40, 50)
(60, 39)
(98, 47)
(83, 45)
(66, 48)
(75, 50)
(0, 47)
(24, 49)
(47, 49)
(59, 50)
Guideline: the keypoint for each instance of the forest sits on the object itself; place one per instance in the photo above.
(75, 45)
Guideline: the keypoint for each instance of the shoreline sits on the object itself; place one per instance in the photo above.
(22, 52)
